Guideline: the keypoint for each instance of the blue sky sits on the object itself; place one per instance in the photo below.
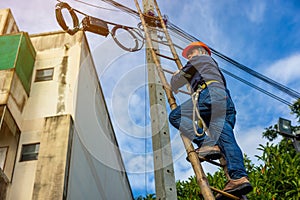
(263, 35)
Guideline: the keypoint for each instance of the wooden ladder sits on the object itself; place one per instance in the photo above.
(149, 21)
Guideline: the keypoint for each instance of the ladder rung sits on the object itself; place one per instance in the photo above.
(168, 71)
(225, 193)
(164, 56)
(184, 92)
(210, 161)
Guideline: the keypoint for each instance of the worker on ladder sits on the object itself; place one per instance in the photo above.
(217, 112)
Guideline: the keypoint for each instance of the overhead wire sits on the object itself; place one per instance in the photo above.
(95, 6)
(122, 7)
(292, 93)
(256, 87)
(262, 77)
(271, 82)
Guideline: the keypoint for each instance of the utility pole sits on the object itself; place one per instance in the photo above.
(165, 185)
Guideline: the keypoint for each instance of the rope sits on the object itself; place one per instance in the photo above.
(196, 111)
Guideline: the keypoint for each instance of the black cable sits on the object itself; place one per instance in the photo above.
(256, 87)
(191, 38)
(122, 7)
(271, 82)
(95, 6)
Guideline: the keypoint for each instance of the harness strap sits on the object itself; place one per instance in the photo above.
(195, 97)
(206, 83)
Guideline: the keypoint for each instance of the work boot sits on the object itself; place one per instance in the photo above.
(237, 187)
(209, 152)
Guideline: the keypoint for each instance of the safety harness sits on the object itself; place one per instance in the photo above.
(195, 97)
(201, 85)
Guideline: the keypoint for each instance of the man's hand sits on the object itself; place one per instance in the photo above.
(176, 72)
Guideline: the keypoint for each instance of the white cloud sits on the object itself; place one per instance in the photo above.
(285, 70)
(140, 164)
(142, 184)
(256, 12)
(27, 17)
(201, 20)
(249, 141)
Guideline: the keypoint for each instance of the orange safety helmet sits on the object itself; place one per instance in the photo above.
(195, 44)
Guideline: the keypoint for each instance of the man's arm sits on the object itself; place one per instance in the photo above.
(182, 77)
(177, 81)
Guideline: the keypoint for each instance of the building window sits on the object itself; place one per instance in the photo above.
(3, 155)
(44, 74)
(30, 152)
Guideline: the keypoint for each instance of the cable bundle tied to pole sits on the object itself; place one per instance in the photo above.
(184, 35)
(97, 26)
(134, 33)
(61, 21)
(188, 37)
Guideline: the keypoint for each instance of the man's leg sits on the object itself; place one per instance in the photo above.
(239, 183)
(231, 150)
(181, 118)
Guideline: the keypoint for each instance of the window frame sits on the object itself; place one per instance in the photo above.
(4, 152)
(30, 156)
(44, 78)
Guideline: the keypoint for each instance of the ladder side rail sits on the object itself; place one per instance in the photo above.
(163, 25)
(166, 86)
(193, 157)
(201, 178)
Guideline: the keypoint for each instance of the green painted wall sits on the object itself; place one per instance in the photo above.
(16, 51)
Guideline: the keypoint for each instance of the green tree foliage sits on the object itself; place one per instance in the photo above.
(296, 109)
(148, 197)
(276, 178)
(188, 190)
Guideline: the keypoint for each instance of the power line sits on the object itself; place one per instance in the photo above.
(122, 7)
(95, 6)
(271, 82)
(256, 87)
(189, 37)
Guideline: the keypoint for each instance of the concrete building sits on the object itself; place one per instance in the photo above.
(56, 137)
